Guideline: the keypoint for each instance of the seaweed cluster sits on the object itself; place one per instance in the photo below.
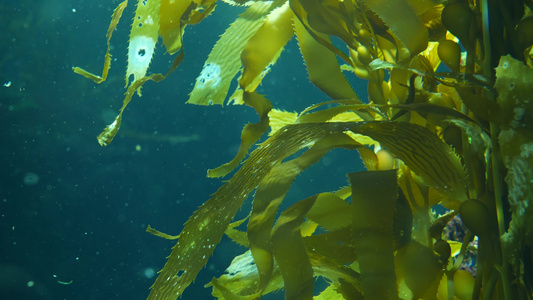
(449, 122)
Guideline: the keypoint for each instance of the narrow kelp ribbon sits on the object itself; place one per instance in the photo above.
(117, 14)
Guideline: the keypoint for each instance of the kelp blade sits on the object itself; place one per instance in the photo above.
(402, 20)
(374, 195)
(223, 63)
(143, 37)
(290, 251)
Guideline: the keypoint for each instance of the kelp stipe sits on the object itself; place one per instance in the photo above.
(461, 138)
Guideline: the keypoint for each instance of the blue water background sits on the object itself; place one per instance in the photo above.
(73, 214)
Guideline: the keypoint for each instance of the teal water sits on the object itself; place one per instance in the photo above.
(73, 214)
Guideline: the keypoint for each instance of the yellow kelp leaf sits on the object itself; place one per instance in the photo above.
(332, 112)
(374, 195)
(421, 269)
(330, 212)
(171, 28)
(423, 152)
(175, 15)
(250, 133)
(271, 192)
(264, 48)
(223, 63)
(330, 293)
(322, 66)
(143, 37)
(111, 130)
(117, 14)
(399, 16)
(279, 118)
(206, 226)
(290, 251)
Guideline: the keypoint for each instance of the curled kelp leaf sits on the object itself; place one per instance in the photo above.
(117, 14)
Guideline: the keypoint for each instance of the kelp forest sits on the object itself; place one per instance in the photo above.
(448, 122)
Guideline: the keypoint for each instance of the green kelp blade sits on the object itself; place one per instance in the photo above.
(330, 212)
(237, 235)
(322, 66)
(171, 27)
(117, 14)
(423, 152)
(373, 200)
(271, 192)
(362, 110)
(264, 48)
(205, 228)
(224, 61)
(290, 252)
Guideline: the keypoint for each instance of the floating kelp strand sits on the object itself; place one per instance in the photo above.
(117, 14)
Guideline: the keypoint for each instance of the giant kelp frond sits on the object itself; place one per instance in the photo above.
(460, 138)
